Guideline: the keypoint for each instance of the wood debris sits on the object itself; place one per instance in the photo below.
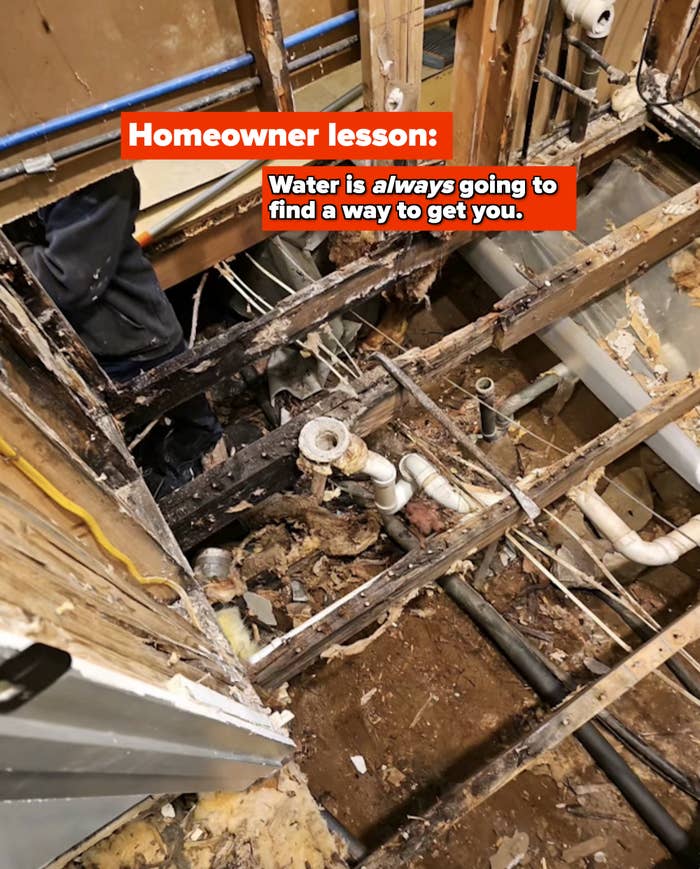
(685, 271)
(584, 849)
(649, 343)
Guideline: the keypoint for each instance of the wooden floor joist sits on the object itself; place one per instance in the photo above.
(167, 385)
(619, 256)
(342, 620)
(404, 848)
(198, 509)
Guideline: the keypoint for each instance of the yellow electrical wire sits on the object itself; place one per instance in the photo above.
(48, 488)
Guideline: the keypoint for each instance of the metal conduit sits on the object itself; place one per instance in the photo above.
(179, 83)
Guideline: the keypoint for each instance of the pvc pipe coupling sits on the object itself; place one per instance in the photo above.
(595, 16)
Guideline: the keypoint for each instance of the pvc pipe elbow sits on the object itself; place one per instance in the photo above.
(652, 553)
(424, 477)
(595, 16)
(383, 475)
(380, 469)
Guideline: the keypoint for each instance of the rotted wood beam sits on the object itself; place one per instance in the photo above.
(284, 658)
(619, 256)
(33, 368)
(45, 364)
(403, 848)
(164, 387)
(21, 283)
(267, 466)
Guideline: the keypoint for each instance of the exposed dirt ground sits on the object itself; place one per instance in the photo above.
(431, 700)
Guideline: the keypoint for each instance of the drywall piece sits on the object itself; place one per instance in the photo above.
(260, 607)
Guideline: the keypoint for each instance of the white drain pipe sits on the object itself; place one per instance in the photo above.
(327, 441)
(595, 16)
(618, 390)
(664, 550)
(422, 476)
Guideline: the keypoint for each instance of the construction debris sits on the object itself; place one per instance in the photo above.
(275, 824)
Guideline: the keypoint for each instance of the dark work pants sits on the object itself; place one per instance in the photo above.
(195, 428)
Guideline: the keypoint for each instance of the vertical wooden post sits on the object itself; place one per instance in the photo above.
(530, 27)
(487, 61)
(261, 27)
(474, 48)
(391, 39)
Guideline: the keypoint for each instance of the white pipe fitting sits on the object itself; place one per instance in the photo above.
(418, 471)
(595, 16)
(664, 550)
(327, 441)
(324, 440)
(383, 475)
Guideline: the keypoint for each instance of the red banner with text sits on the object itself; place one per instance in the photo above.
(407, 198)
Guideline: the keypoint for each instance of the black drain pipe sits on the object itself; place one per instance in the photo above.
(532, 667)
(676, 665)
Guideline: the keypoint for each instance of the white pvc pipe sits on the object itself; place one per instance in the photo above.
(327, 441)
(618, 390)
(417, 470)
(595, 16)
(383, 475)
(664, 550)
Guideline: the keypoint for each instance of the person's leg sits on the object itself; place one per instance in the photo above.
(194, 430)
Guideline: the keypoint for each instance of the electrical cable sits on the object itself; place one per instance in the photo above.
(47, 487)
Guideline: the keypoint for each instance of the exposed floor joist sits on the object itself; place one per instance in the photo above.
(164, 387)
(619, 256)
(583, 707)
(268, 465)
(342, 620)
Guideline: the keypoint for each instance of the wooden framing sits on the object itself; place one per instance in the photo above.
(402, 848)
(56, 404)
(342, 620)
(186, 375)
(81, 590)
(534, 13)
(199, 509)
(617, 257)
(474, 47)
(672, 41)
(391, 40)
(261, 27)
(60, 335)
